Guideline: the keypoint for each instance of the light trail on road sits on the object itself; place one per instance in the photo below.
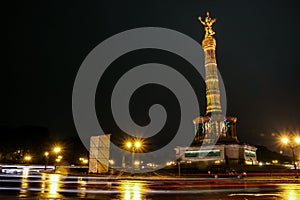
(138, 188)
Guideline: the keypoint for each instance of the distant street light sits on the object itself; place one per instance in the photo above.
(137, 144)
(285, 140)
(129, 145)
(84, 160)
(292, 144)
(27, 158)
(133, 146)
(111, 162)
(57, 149)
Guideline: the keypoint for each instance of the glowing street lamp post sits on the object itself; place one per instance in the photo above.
(56, 151)
(46, 154)
(292, 145)
(133, 146)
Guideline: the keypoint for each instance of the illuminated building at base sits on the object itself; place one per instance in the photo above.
(215, 140)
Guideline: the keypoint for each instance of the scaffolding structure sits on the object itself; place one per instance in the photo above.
(99, 153)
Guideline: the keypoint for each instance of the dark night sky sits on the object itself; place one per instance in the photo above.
(257, 54)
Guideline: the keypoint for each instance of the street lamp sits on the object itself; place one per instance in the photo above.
(56, 151)
(46, 154)
(292, 144)
(133, 146)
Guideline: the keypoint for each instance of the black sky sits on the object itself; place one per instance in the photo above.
(257, 54)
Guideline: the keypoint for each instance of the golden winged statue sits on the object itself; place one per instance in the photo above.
(207, 23)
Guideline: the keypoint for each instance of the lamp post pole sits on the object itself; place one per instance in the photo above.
(132, 161)
(294, 159)
(46, 154)
(56, 151)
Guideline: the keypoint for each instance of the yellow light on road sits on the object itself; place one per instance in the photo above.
(297, 140)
